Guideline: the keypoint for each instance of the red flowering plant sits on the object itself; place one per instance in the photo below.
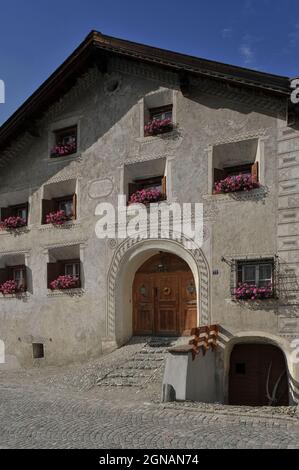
(246, 291)
(232, 184)
(11, 287)
(158, 126)
(146, 196)
(64, 282)
(12, 223)
(57, 218)
(61, 150)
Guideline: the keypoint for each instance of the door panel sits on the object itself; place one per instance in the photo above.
(164, 303)
(167, 303)
(188, 318)
(143, 309)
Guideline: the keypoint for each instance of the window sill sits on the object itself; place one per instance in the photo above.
(66, 226)
(163, 136)
(64, 158)
(75, 292)
(257, 193)
(15, 232)
(20, 296)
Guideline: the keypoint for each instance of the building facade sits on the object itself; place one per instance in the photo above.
(86, 137)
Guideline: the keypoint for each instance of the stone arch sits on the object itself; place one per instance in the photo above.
(130, 254)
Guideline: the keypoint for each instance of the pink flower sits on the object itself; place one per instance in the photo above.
(246, 291)
(158, 126)
(56, 218)
(64, 149)
(64, 282)
(12, 223)
(11, 287)
(146, 196)
(231, 184)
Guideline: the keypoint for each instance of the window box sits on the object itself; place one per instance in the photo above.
(64, 275)
(160, 121)
(14, 217)
(64, 282)
(255, 280)
(65, 142)
(13, 280)
(12, 223)
(147, 191)
(234, 179)
(58, 211)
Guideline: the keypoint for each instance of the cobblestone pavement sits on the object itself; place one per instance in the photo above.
(64, 408)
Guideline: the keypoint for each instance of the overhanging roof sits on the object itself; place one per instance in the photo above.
(97, 47)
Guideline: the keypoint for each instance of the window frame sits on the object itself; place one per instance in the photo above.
(161, 110)
(74, 264)
(63, 132)
(257, 279)
(19, 269)
(147, 183)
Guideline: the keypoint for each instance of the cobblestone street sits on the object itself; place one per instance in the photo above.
(65, 408)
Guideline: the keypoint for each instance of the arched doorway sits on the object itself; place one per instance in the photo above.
(258, 375)
(164, 297)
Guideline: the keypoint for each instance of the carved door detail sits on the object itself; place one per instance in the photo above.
(164, 303)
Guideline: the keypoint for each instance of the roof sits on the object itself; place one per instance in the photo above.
(97, 47)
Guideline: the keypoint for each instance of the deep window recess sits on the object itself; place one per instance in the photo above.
(248, 169)
(255, 279)
(38, 350)
(14, 273)
(157, 183)
(68, 204)
(65, 142)
(159, 121)
(64, 268)
(19, 210)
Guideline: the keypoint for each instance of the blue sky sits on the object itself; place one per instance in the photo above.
(37, 35)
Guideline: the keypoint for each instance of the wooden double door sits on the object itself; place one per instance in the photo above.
(164, 303)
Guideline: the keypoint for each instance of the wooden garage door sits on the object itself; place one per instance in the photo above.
(252, 366)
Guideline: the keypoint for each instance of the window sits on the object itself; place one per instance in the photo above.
(255, 280)
(72, 269)
(19, 276)
(257, 274)
(164, 112)
(65, 142)
(157, 184)
(64, 268)
(229, 160)
(14, 273)
(68, 204)
(38, 350)
(19, 210)
(159, 122)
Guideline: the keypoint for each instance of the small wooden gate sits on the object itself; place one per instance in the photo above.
(258, 376)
